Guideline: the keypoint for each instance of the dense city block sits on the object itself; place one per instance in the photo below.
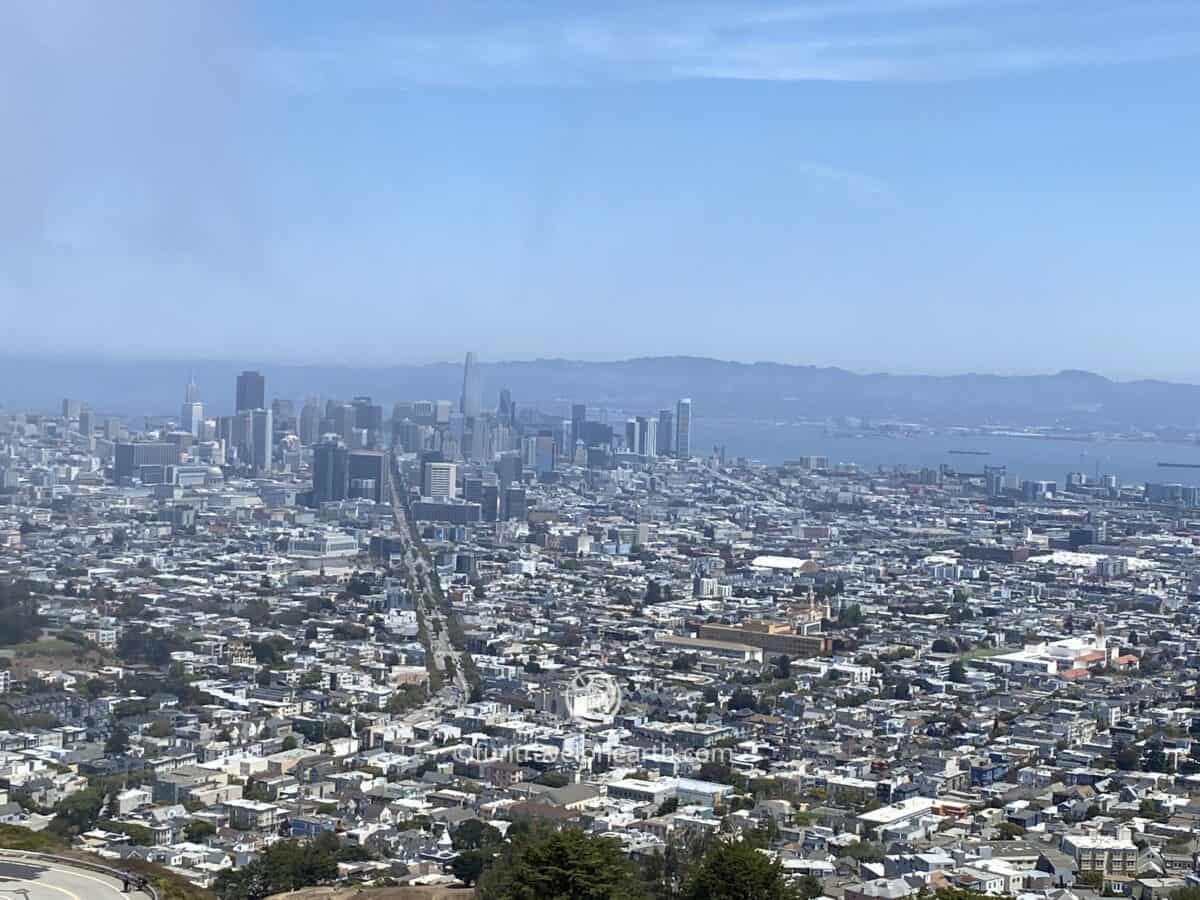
(443, 643)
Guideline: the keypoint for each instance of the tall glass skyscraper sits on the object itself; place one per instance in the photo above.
(192, 413)
(471, 399)
(251, 391)
(683, 428)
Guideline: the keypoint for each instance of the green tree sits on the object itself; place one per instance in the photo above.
(1156, 760)
(809, 887)
(270, 652)
(405, 698)
(742, 699)
(139, 835)
(958, 672)
(77, 813)
(470, 865)
(1128, 758)
(851, 616)
(737, 871)
(560, 865)
(475, 834)
(118, 742)
(20, 621)
(284, 866)
(864, 851)
(783, 666)
(257, 613)
(197, 831)
(1091, 879)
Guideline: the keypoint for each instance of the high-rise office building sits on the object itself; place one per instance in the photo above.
(190, 418)
(995, 478)
(647, 436)
(631, 435)
(368, 472)
(578, 417)
(87, 422)
(490, 502)
(70, 408)
(471, 400)
(515, 503)
(262, 435)
(539, 452)
(344, 417)
(251, 391)
(424, 412)
(683, 428)
(473, 489)
(331, 472)
(508, 469)
(128, 459)
(310, 422)
(242, 435)
(506, 412)
(666, 432)
(283, 415)
(408, 435)
(192, 413)
(595, 434)
(440, 480)
(369, 417)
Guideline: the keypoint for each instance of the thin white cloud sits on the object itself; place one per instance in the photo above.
(855, 40)
(854, 181)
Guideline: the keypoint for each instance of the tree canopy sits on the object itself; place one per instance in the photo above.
(737, 871)
(284, 866)
(560, 865)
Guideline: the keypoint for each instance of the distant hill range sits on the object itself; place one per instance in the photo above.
(718, 389)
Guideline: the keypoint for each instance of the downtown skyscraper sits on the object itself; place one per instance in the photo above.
(471, 400)
(683, 428)
(191, 416)
(251, 391)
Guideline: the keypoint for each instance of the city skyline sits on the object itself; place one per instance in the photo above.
(761, 392)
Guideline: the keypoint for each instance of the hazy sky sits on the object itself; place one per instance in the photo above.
(912, 185)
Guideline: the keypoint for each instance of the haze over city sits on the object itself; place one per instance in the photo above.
(936, 187)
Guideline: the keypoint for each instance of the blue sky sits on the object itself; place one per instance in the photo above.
(903, 185)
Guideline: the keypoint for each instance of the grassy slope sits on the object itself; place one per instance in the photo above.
(169, 885)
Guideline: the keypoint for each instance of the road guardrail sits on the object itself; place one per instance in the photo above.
(128, 879)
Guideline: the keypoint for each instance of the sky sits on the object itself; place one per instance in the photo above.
(885, 185)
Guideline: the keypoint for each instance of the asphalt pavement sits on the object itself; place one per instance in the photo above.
(37, 880)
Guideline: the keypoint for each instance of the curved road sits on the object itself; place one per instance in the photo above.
(37, 880)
